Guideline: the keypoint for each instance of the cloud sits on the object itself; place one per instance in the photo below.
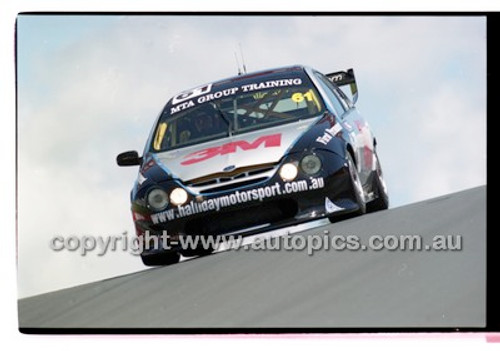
(96, 92)
(453, 145)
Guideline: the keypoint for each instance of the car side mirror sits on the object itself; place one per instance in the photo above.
(128, 158)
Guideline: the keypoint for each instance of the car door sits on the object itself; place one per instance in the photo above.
(364, 139)
(359, 134)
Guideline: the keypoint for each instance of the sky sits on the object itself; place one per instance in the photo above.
(90, 87)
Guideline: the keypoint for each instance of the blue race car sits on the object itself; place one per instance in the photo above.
(252, 153)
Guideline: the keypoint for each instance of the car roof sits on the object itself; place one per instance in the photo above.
(261, 73)
(242, 79)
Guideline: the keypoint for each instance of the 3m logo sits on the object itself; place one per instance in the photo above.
(273, 140)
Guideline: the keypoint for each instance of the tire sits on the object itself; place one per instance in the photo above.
(357, 189)
(163, 259)
(381, 202)
(197, 252)
(200, 250)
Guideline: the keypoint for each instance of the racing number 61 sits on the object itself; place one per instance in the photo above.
(299, 97)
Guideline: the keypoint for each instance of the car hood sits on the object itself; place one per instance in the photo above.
(257, 147)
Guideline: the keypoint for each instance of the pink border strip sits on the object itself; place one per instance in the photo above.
(488, 337)
(493, 337)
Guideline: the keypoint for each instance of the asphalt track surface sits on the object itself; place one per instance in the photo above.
(291, 289)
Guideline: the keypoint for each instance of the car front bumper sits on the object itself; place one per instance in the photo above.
(269, 205)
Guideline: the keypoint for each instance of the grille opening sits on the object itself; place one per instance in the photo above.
(262, 170)
(208, 182)
(240, 173)
(234, 185)
(246, 217)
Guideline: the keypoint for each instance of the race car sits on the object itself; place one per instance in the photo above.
(252, 153)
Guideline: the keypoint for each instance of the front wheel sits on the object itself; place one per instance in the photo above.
(381, 202)
(357, 188)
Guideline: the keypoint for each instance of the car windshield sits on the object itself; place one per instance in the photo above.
(234, 111)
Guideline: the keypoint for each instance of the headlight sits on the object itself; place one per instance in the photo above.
(310, 164)
(157, 199)
(178, 196)
(288, 172)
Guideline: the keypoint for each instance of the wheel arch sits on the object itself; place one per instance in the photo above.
(350, 150)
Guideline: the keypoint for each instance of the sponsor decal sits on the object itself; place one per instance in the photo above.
(148, 166)
(238, 197)
(273, 140)
(202, 99)
(217, 95)
(359, 125)
(367, 142)
(337, 77)
(203, 94)
(348, 126)
(189, 94)
(271, 84)
(329, 134)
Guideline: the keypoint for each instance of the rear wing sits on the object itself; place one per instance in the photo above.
(342, 78)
